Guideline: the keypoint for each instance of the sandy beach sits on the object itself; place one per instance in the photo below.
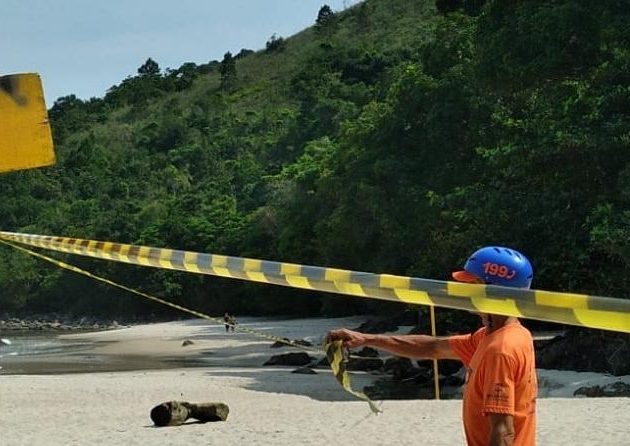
(268, 405)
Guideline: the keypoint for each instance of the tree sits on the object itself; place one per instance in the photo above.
(446, 6)
(521, 43)
(228, 72)
(275, 43)
(472, 7)
(325, 20)
(70, 114)
(244, 52)
(149, 68)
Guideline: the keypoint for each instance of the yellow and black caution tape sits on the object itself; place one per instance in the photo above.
(333, 352)
(567, 308)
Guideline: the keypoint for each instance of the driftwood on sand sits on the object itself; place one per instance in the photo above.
(175, 413)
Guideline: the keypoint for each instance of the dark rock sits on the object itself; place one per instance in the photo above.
(302, 342)
(593, 391)
(419, 375)
(279, 344)
(364, 364)
(407, 317)
(422, 328)
(367, 352)
(55, 322)
(187, 342)
(402, 369)
(445, 366)
(449, 366)
(456, 379)
(296, 359)
(445, 321)
(377, 326)
(399, 368)
(586, 350)
(617, 389)
(305, 371)
(384, 389)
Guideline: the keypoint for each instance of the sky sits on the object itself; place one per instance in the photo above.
(84, 47)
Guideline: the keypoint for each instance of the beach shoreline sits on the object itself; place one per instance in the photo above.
(268, 405)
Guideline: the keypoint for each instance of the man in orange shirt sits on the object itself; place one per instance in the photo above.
(499, 406)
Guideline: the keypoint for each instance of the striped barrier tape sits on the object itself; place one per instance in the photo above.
(198, 314)
(333, 351)
(567, 308)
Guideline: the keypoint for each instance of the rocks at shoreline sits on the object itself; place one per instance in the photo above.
(59, 323)
(584, 350)
(618, 389)
(287, 342)
(375, 326)
(578, 349)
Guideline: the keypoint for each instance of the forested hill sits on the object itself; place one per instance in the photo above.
(397, 136)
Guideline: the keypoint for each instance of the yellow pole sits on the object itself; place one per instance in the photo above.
(436, 381)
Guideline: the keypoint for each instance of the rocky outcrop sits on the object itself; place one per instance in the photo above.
(375, 326)
(294, 359)
(287, 342)
(304, 371)
(365, 360)
(617, 389)
(279, 344)
(384, 389)
(585, 350)
(364, 364)
(56, 322)
(400, 368)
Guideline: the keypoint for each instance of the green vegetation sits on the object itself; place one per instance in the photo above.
(397, 136)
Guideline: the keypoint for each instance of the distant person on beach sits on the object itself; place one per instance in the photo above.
(499, 404)
(233, 322)
(226, 319)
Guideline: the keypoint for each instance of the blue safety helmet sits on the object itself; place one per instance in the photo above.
(497, 265)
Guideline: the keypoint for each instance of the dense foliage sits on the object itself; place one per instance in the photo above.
(395, 137)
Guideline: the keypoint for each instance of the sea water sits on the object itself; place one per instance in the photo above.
(31, 343)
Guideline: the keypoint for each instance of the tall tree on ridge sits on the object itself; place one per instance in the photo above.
(228, 72)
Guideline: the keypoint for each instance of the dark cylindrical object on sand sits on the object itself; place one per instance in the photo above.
(175, 413)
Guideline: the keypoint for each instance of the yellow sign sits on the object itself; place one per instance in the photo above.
(25, 138)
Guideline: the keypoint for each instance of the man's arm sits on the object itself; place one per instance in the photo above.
(408, 346)
(501, 430)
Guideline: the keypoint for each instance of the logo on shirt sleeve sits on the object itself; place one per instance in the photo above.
(499, 395)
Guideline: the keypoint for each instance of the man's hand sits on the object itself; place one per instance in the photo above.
(350, 338)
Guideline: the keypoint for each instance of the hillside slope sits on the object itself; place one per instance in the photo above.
(396, 136)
